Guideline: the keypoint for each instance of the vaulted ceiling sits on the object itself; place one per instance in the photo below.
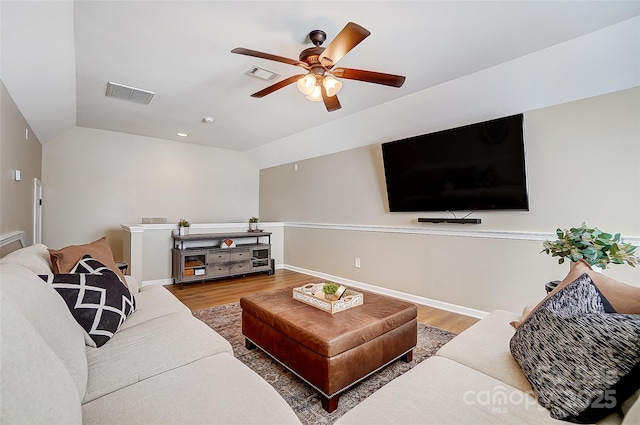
(57, 57)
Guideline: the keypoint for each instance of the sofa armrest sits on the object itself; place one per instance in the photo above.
(34, 257)
(132, 284)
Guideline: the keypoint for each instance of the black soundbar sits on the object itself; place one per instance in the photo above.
(451, 220)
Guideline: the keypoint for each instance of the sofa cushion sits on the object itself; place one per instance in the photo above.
(50, 317)
(65, 259)
(35, 258)
(622, 297)
(132, 284)
(485, 348)
(151, 302)
(215, 389)
(36, 387)
(582, 361)
(152, 347)
(441, 391)
(100, 303)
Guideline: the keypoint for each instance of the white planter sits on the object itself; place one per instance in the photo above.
(595, 268)
(253, 226)
(184, 231)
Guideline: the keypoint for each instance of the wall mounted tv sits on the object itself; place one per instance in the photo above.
(476, 167)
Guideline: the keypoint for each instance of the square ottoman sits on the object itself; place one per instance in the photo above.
(330, 352)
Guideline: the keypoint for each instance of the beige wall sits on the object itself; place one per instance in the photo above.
(583, 165)
(96, 180)
(17, 153)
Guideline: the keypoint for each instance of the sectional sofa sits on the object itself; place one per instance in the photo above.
(162, 366)
(504, 368)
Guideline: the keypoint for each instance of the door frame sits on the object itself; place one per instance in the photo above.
(37, 211)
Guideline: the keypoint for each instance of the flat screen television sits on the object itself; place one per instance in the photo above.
(477, 167)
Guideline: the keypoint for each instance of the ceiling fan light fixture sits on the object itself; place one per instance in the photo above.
(331, 85)
(307, 84)
(316, 95)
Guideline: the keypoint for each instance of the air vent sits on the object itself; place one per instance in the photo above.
(263, 74)
(132, 94)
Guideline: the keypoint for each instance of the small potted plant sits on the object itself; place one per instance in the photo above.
(329, 290)
(594, 246)
(183, 227)
(253, 224)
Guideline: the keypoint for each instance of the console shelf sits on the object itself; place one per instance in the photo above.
(199, 257)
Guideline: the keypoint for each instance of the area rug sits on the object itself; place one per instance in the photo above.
(305, 401)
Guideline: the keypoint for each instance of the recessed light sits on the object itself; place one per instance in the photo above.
(208, 120)
(182, 134)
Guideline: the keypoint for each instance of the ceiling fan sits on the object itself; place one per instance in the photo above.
(320, 84)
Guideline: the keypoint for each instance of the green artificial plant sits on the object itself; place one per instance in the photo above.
(594, 246)
(330, 288)
(183, 223)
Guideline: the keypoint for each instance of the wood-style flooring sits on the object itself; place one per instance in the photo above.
(198, 296)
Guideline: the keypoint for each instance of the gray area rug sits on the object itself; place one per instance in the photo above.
(305, 401)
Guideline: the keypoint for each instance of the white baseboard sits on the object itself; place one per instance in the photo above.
(454, 308)
(157, 282)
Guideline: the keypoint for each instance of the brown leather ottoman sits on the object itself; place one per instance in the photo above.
(330, 352)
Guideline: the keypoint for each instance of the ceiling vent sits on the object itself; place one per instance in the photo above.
(263, 74)
(132, 94)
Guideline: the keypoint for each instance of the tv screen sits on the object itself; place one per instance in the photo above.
(475, 167)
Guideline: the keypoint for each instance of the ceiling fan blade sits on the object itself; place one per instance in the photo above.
(330, 102)
(269, 56)
(278, 85)
(369, 76)
(350, 36)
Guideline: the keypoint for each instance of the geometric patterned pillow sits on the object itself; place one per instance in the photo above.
(99, 302)
(581, 358)
(88, 264)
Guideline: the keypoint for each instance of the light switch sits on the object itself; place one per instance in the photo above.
(17, 175)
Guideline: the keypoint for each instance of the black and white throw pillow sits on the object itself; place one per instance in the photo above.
(88, 264)
(99, 302)
(580, 356)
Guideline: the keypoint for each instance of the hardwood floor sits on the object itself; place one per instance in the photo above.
(198, 296)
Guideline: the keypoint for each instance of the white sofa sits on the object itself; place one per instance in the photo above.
(162, 367)
(473, 379)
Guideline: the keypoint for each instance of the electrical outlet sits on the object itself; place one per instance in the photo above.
(356, 262)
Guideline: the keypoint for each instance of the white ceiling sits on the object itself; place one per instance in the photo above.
(57, 57)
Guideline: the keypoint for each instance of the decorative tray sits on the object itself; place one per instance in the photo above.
(313, 295)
